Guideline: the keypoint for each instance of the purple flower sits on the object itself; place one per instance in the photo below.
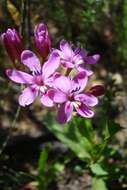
(42, 40)
(77, 58)
(68, 93)
(13, 44)
(37, 82)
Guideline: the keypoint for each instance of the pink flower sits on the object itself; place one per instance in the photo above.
(13, 44)
(68, 93)
(77, 58)
(37, 82)
(42, 40)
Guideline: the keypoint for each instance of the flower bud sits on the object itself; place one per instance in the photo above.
(42, 40)
(97, 90)
(13, 44)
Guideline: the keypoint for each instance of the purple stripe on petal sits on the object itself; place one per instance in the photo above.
(27, 97)
(61, 54)
(80, 81)
(87, 99)
(84, 111)
(31, 61)
(65, 112)
(66, 49)
(92, 59)
(19, 76)
(80, 55)
(67, 63)
(80, 52)
(56, 75)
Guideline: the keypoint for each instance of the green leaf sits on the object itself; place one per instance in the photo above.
(85, 127)
(99, 184)
(111, 128)
(42, 182)
(71, 135)
(114, 128)
(58, 167)
(42, 162)
(98, 170)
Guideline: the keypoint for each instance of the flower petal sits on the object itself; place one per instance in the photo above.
(46, 100)
(80, 81)
(51, 65)
(27, 97)
(64, 60)
(65, 112)
(63, 83)
(92, 59)
(31, 61)
(84, 111)
(57, 96)
(87, 99)
(80, 55)
(67, 63)
(81, 67)
(19, 76)
(66, 49)
(56, 75)
(80, 52)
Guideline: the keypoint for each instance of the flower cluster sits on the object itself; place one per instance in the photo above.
(46, 79)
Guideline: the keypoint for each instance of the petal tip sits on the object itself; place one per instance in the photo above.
(8, 72)
(55, 54)
(25, 54)
(96, 57)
